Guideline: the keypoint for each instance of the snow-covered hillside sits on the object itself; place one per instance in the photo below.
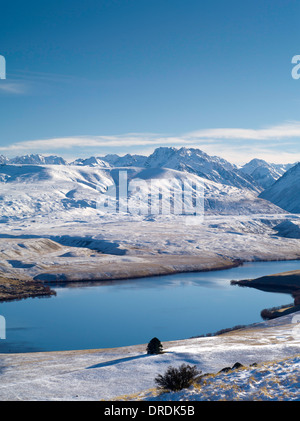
(52, 191)
(272, 381)
(285, 192)
(72, 192)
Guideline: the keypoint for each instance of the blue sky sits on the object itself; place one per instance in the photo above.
(118, 76)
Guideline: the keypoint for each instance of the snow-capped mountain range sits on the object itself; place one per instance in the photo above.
(33, 159)
(49, 185)
(255, 175)
(34, 185)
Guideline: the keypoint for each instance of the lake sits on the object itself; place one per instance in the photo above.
(120, 313)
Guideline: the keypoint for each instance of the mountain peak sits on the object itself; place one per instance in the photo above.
(263, 172)
(198, 162)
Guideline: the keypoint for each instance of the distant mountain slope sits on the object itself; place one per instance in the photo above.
(264, 173)
(126, 160)
(3, 160)
(91, 162)
(285, 192)
(112, 161)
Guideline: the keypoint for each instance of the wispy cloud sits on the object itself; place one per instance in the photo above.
(12, 87)
(39, 83)
(282, 131)
(126, 140)
(277, 143)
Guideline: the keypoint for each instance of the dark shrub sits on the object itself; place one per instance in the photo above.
(154, 346)
(225, 370)
(237, 365)
(266, 314)
(296, 296)
(177, 378)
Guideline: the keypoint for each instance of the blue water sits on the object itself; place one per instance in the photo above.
(120, 313)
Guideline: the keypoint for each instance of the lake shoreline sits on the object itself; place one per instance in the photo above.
(12, 289)
(18, 289)
(284, 282)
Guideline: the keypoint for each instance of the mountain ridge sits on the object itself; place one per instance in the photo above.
(285, 192)
(257, 175)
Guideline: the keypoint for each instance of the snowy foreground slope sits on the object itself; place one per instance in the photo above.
(129, 373)
(275, 381)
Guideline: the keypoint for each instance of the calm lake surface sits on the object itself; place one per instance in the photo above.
(120, 313)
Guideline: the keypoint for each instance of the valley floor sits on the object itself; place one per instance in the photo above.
(125, 248)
